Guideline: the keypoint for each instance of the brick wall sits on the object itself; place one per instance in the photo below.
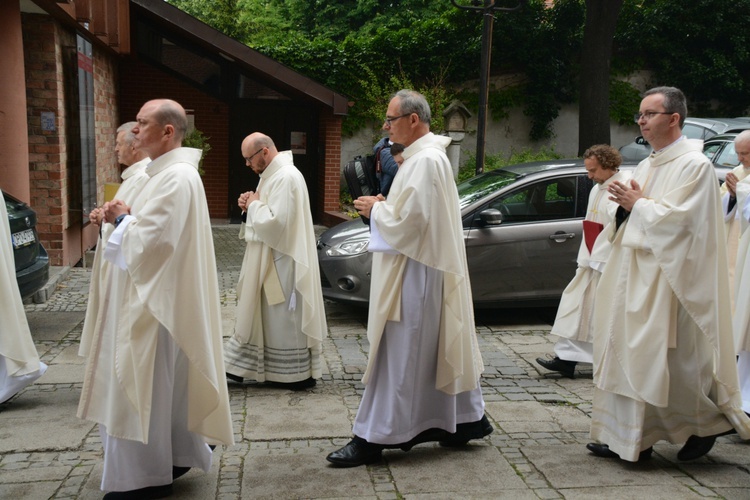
(329, 183)
(47, 149)
(106, 118)
(140, 82)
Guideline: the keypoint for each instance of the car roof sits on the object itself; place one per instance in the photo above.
(721, 125)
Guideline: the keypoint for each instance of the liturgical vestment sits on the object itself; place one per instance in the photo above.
(573, 321)
(19, 361)
(160, 304)
(281, 319)
(424, 362)
(664, 364)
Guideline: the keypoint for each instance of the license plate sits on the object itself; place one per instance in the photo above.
(23, 238)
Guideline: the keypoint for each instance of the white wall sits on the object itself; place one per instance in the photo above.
(506, 136)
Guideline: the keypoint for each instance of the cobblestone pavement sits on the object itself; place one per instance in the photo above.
(536, 451)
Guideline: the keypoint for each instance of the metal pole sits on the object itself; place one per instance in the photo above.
(488, 8)
(484, 83)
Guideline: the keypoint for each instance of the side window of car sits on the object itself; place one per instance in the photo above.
(727, 157)
(550, 199)
(694, 132)
(710, 150)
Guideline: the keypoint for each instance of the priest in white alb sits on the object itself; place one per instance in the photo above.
(154, 377)
(664, 362)
(133, 178)
(281, 320)
(573, 321)
(19, 360)
(422, 377)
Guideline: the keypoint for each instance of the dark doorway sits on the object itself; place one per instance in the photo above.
(282, 121)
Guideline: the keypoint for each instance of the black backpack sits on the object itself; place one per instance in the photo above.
(360, 176)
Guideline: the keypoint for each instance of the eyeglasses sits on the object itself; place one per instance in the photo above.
(389, 121)
(248, 158)
(649, 114)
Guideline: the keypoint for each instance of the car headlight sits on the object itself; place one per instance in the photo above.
(349, 247)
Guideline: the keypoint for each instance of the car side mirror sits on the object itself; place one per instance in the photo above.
(491, 217)
(641, 141)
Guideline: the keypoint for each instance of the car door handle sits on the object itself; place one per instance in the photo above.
(560, 236)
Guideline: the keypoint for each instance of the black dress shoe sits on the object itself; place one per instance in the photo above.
(696, 447)
(357, 452)
(433, 434)
(308, 383)
(556, 364)
(148, 493)
(179, 471)
(468, 431)
(602, 450)
(235, 378)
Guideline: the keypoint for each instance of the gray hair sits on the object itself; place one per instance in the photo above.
(674, 101)
(742, 137)
(127, 127)
(411, 101)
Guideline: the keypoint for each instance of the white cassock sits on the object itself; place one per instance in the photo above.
(19, 360)
(280, 314)
(732, 226)
(576, 309)
(133, 179)
(424, 364)
(154, 377)
(664, 364)
(741, 318)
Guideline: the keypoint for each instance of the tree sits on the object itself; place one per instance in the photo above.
(596, 57)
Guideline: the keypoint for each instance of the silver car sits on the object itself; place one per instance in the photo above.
(694, 128)
(522, 229)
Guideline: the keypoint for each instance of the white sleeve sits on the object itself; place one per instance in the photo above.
(113, 250)
(377, 243)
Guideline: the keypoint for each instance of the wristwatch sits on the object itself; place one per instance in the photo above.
(119, 219)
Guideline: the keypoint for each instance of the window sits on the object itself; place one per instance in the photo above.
(551, 199)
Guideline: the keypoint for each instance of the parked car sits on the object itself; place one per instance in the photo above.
(522, 230)
(720, 150)
(694, 128)
(32, 261)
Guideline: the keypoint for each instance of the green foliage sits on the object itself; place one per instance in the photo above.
(198, 140)
(493, 162)
(367, 49)
(623, 100)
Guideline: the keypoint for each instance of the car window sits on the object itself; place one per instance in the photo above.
(550, 199)
(727, 157)
(696, 132)
(480, 186)
(710, 149)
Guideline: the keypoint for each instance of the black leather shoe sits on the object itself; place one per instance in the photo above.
(433, 434)
(696, 447)
(602, 450)
(308, 383)
(567, 368)
(235, 378)
(179, 471)
(148, 493)
(357, 452)
(468, 431)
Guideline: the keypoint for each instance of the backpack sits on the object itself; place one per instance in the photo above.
(360, 176)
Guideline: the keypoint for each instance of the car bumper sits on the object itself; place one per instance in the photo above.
(346, 279)
(33, 278)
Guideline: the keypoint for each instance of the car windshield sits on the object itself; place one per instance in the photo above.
(483, 184)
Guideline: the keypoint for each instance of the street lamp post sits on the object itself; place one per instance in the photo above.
(487, 7)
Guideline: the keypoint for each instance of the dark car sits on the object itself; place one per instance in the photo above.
(694, 128)
(522, 230)
(32, 262)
